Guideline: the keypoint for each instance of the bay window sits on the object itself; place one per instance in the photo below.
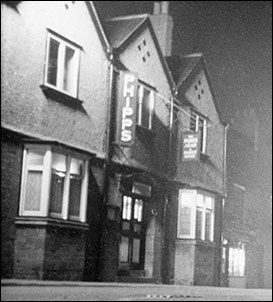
(195, 215)
(54, 183)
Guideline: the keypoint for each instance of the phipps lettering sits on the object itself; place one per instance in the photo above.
(127, 112)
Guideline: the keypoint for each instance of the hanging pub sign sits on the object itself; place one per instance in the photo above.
(190, 146)
(126, 114)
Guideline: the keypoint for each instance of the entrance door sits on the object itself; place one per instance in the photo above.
(132, 243)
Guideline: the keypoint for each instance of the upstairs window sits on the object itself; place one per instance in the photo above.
(62, 65)
(54, 183)
(237, 196)
(199, 124)
(195, 215)
(145, 109)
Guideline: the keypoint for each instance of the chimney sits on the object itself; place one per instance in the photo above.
(163, 26)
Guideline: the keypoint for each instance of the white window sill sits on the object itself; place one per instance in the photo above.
(46, 221)
(61, 97)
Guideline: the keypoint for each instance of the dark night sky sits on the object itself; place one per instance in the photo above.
(236, 40)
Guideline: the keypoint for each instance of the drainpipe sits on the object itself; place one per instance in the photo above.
(225, 161)
(107, 167)
(171, 131)
(109, 130)
(224, 198)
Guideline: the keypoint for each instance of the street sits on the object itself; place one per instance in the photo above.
(26, 290)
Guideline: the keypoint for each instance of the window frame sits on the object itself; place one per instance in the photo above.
(63, 43)
(203, 134)
(194, 204)
(141, 88)
(46, 169)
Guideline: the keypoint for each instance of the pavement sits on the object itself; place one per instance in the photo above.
(36, 290)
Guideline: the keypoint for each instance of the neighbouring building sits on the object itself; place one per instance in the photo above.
(54, 115)
(134, 233)
(247, 221)
(194, 210)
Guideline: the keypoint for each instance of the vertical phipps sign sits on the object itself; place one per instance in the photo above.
(190, 146)
(126, 115)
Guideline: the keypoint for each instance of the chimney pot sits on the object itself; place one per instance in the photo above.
(165, 7)
(157, 8)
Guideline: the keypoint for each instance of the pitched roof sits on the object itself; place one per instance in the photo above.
(119, 29)
(182, 67)
(98, 25)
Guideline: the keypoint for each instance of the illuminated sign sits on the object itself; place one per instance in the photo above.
(126, 116)
(191, 146)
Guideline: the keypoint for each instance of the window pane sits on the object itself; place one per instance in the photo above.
(200, 200)
(193, 122)
(137, 228)
(198, 223)
(208, 225)
(57, 183)
(70, 72)
(33, 190)
(185, 221)
(76, 176)
(75, 195)
(208, 201)
(127, 207)
(125, 226)
(138, 210)
(59, 162)
(56, 192)
(124, 249)
(136, 247)
(52, 62)
(187, 204)
(201, 130)
(35, 158)
(146, 108)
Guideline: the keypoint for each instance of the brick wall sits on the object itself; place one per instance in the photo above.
(29, 252)
(204, 264)
(11, 156)
(64, 254)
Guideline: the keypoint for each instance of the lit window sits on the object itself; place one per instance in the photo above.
(127, 208)
(195, 215)
(53, 184)
(138, 210)
(237, 261)
(199, 124)
(62, 65)
(145, 108)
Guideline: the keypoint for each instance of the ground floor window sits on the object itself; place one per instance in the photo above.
(54, 183)
(236, 265)
(196, 215)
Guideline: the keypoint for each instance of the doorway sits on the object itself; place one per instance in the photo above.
(133, 232)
